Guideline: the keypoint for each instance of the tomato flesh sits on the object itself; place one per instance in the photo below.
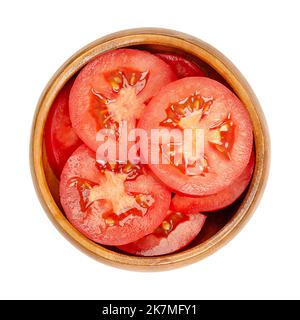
(182, 66)
(111, 206)
(60, 138)
(216, 201)
(175, 232)
(201, 103)
(114, 88)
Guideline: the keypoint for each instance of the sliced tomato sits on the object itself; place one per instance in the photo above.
(182, 66)
(60, 138)
(111, 205)
(114, 88)
(216, 201)
(175, 232)
(200, 103)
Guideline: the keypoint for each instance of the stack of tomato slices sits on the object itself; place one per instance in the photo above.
(146, 207)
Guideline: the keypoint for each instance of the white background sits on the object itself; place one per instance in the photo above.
(261, 38)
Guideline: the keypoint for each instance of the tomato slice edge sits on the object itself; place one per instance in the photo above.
(59, 137)
(181, 236)
(217, 201)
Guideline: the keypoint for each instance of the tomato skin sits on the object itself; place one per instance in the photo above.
(181, 66)
(60, 138)
(91, 222)
(93, 78)
(181, 236)
(216, 201)
(222, 171)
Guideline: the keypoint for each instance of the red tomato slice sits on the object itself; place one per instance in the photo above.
(113, 88)
(181, 66)
(186, 68)
(112, 206)
(60, 138)
(175, 232)
(200, 103)
(216, 201)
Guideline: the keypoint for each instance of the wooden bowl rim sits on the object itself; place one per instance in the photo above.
(197, 48)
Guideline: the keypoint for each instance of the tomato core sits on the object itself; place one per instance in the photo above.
(122, 205)
(187, 114)
(125, 84)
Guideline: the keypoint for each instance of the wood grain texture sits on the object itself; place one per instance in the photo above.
(166, 40)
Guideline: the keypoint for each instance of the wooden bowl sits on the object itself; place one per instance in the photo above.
(221, 227)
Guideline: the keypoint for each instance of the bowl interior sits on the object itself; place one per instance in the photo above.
(215, 220)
